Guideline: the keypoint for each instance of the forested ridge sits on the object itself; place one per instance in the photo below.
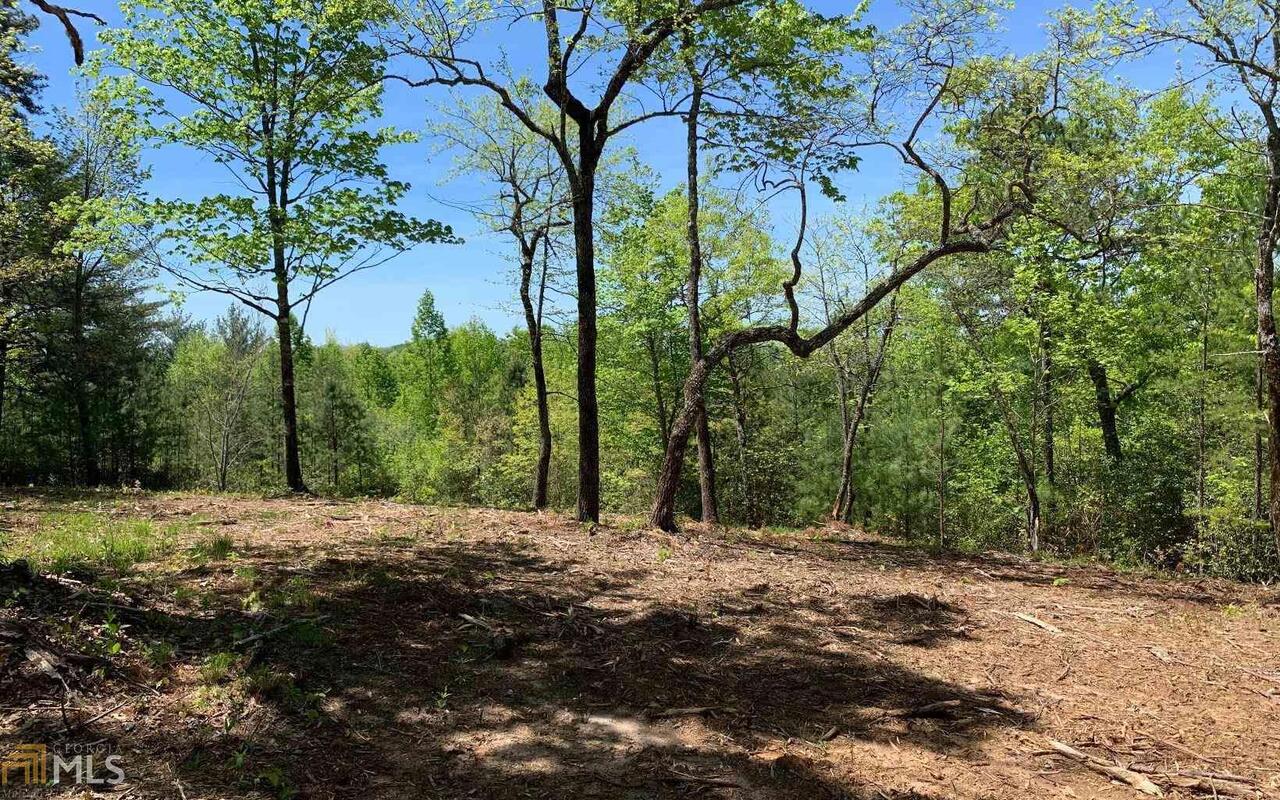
(1055, 334)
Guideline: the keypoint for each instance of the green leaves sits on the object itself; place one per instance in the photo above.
(282, 93)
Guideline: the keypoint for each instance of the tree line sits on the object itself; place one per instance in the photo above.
(1057, 335)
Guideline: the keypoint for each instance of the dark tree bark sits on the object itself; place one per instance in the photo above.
(533, 324)
(659, 395)
(843, 508)
(1106, 407)
(706, 459)
(78, 379)
(277, 173)
(585, 267)
(751, 509)
(662, 514)
(1264, 285)
(1047, 402)
(288, 400)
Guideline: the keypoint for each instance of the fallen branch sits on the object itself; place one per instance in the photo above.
(681, 777)
(480, 623)
(86, 723)
(684, 712)
(1217, 784)
(1113, 771)
(273, 631)
(1039, 623)
(941, 708)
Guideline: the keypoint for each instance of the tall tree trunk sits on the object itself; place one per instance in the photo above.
(288, 397)
(1264, 282)
(663, 513)
(1259, 442)
(1106, 406)
(533, 324)
(4, 395)
(1046, 385)
(844, 488)
(706, 459)
(1201, 435)
(278, 177)
(79, 382)
(583, 190)
(843, 508)
(751, 509)
(942, 449)
(659, 396)
(224, 456)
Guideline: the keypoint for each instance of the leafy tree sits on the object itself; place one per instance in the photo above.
(280, 94)
(217, 380)
(929, 56)
(531, 205)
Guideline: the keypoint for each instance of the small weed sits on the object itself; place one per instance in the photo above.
(114, 631)
(158, 654)
(218, 547)
(1061, 581)
(307, 634)
(281, 688)
(253, 602)
(217, 667)
(664, 553)
(275, 778)
(294, 595)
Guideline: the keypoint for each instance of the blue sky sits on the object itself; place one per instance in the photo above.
(474, 279)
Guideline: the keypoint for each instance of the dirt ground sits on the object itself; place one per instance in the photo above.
(375, 650)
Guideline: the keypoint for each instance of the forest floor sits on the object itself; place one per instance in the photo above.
(317, 649)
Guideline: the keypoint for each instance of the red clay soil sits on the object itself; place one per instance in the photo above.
(376, 650)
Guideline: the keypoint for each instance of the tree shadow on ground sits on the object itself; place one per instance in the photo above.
(409, 669)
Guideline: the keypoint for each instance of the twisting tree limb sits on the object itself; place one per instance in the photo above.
(64, 16)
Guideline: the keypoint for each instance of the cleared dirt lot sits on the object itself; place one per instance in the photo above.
(277, 648)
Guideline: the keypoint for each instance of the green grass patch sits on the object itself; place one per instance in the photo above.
(67, 541)
(216, 547)
(217, 667)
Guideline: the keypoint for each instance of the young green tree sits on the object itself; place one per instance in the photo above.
(531, 204)
(214, 379)
(281, 94)
(30, 183)
(595, 54)
(1236, 38)
(930, 57)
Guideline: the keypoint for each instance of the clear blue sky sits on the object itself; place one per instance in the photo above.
(475, 279)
